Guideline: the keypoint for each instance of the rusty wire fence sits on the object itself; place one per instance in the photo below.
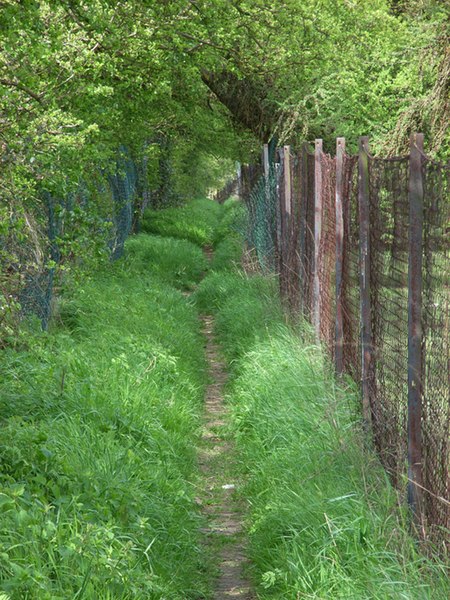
(361, 248)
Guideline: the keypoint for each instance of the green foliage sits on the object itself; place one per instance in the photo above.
(196, 221)
(232, 221)
(77, 82)
(228, 294)
(176, 262)
(99, 421)
(228, 236)
(227, 254)
(305, 69)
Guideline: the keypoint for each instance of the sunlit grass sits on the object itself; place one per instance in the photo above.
(99, 421)
(196, 221)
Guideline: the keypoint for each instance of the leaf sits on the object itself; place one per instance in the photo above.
(6, 502)
(17, 490)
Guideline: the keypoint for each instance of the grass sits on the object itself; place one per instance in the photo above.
(99, 421)
(324, 521)
(196, 221)
(203, 223)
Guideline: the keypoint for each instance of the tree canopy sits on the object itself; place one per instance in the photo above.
(78, 78)
(195, 85)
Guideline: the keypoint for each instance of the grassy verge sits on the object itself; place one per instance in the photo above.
(323, 521)
(203, 223)
(99, 419)
(196, 221)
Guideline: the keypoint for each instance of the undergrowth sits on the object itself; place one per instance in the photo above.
(204, 223)
(196, 221)
(99, 421)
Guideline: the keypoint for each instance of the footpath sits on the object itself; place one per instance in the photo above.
(224, 512)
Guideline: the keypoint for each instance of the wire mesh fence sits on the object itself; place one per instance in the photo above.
(360, 245)
(435, 373)
(29, 263)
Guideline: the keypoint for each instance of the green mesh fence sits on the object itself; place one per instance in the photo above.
(125, 193)
(263, 218)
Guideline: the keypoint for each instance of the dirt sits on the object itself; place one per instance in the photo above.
(220, 503)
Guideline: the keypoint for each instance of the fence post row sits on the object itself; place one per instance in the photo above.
(416, 197)
(339, 334)
(415, 283)
(364, 276)
(317, 234)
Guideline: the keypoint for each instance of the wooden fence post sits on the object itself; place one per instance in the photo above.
(364, 277)
(279, 217)
(317, 234)
(303, 212)
(287, 199)
(287, 180)
(339, 337)
(415, 238)
(239, 180)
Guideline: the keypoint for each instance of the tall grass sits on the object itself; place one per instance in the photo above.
(196, 221)
(99, 420)
(204, 223)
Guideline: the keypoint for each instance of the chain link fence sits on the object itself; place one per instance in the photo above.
(341, 234)
(29, 263)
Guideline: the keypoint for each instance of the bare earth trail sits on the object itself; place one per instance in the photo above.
(224, 513)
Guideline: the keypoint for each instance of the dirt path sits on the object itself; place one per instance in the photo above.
(220, 505)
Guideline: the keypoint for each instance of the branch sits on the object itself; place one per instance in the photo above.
(22, 88)
(199, 42)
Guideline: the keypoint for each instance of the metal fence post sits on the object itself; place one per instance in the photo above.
(339, 337)
(416, 197)
(317, 234)
(364, 276)
(266, 165)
